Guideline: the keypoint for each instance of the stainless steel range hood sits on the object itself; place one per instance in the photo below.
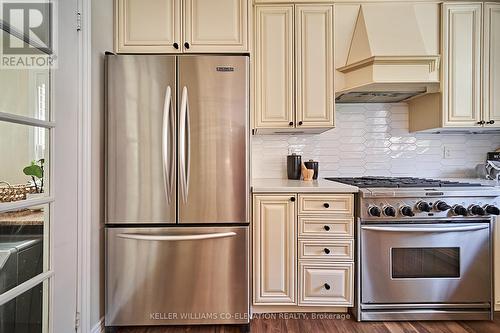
(393, 55)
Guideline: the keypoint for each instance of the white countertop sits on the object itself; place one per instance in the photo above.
(273, 185)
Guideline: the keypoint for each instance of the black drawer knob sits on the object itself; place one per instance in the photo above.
(327, 286)
(292, 199)
(482, 122)
(300, 123)
(326, 205)
(491, 122)
(290, 123)
(327, 227)
(176, 46)
(327, 250)
(186, 45)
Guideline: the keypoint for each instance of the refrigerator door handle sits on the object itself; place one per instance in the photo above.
(167, 163)
(184, 146)
(146, 237)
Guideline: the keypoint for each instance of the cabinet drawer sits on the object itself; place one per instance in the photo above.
(325, 284)
(326, 227)
(326, 249)
(321, 204)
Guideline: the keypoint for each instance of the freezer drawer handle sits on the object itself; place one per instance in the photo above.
(176, 237)
(445, 229)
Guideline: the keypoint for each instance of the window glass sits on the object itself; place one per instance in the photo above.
(24, 162)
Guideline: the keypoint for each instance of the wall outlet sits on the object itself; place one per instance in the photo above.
(447, 152)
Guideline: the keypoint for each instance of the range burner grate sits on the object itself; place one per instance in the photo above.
(399, 182)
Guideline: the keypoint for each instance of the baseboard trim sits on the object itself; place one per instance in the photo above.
(99, 327)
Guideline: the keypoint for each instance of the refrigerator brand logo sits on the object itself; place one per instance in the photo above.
(31, 28)
(224, 69)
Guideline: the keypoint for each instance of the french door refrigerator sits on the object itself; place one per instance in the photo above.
(177, 190)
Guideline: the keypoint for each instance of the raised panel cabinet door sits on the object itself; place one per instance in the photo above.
(147, 26)
(491, 88)
(274, 81)
(314, 65)
(274, 249)
(215, 26)
(462, 24)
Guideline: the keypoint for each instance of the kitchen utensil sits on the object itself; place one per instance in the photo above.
(313, 165)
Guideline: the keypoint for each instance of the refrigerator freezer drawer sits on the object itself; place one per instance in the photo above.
(178, 275)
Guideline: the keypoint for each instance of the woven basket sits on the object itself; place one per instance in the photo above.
(10, 193)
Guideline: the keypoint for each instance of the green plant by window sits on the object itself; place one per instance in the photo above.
(35, 171)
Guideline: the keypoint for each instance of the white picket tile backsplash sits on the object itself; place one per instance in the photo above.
(373, 139)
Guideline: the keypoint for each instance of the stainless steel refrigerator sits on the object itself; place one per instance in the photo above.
(177, 190)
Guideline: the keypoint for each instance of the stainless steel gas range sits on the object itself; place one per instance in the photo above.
(424, 249)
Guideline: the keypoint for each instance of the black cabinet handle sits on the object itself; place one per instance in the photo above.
(491, 122)
(326, 205)
(176, 46)
(290, 123)
(327, 286)
(326, 227)
(292, 199)
(482, 122)
(300, 123)
(186, 45)
(326, 250)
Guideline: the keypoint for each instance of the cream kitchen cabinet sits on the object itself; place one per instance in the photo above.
(293, 68)
(175, 26)
(303, 255)
(491, 81)
(461, 54)
(470, 79)
(147, 26)
(275, 246)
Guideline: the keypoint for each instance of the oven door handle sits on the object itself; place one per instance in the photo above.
(437, 229)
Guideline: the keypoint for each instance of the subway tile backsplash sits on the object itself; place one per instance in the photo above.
(373, 139)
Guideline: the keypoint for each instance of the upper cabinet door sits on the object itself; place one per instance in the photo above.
(492, 64)
(148, 26)
(461, 54)
(274, 83)
(315, 67)
(215, 26)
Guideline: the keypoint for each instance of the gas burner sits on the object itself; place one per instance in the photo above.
(399, 182)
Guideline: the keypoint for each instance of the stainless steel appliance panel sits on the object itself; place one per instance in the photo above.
(141, 139)
(426, 263)
(213, 139)
(176, 275)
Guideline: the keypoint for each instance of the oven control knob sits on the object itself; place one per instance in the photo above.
(459, 210)
(441, 206)
(493, 210)
(477, 210)
(389, 211)
(374, 211)
(423, 206)
(407, 211)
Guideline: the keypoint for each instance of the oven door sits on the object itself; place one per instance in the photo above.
(426, 263)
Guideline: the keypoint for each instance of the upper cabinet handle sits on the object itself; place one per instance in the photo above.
(491, 122)
(482, 122)
(176, 46)
(186, 45)
(300, 123)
